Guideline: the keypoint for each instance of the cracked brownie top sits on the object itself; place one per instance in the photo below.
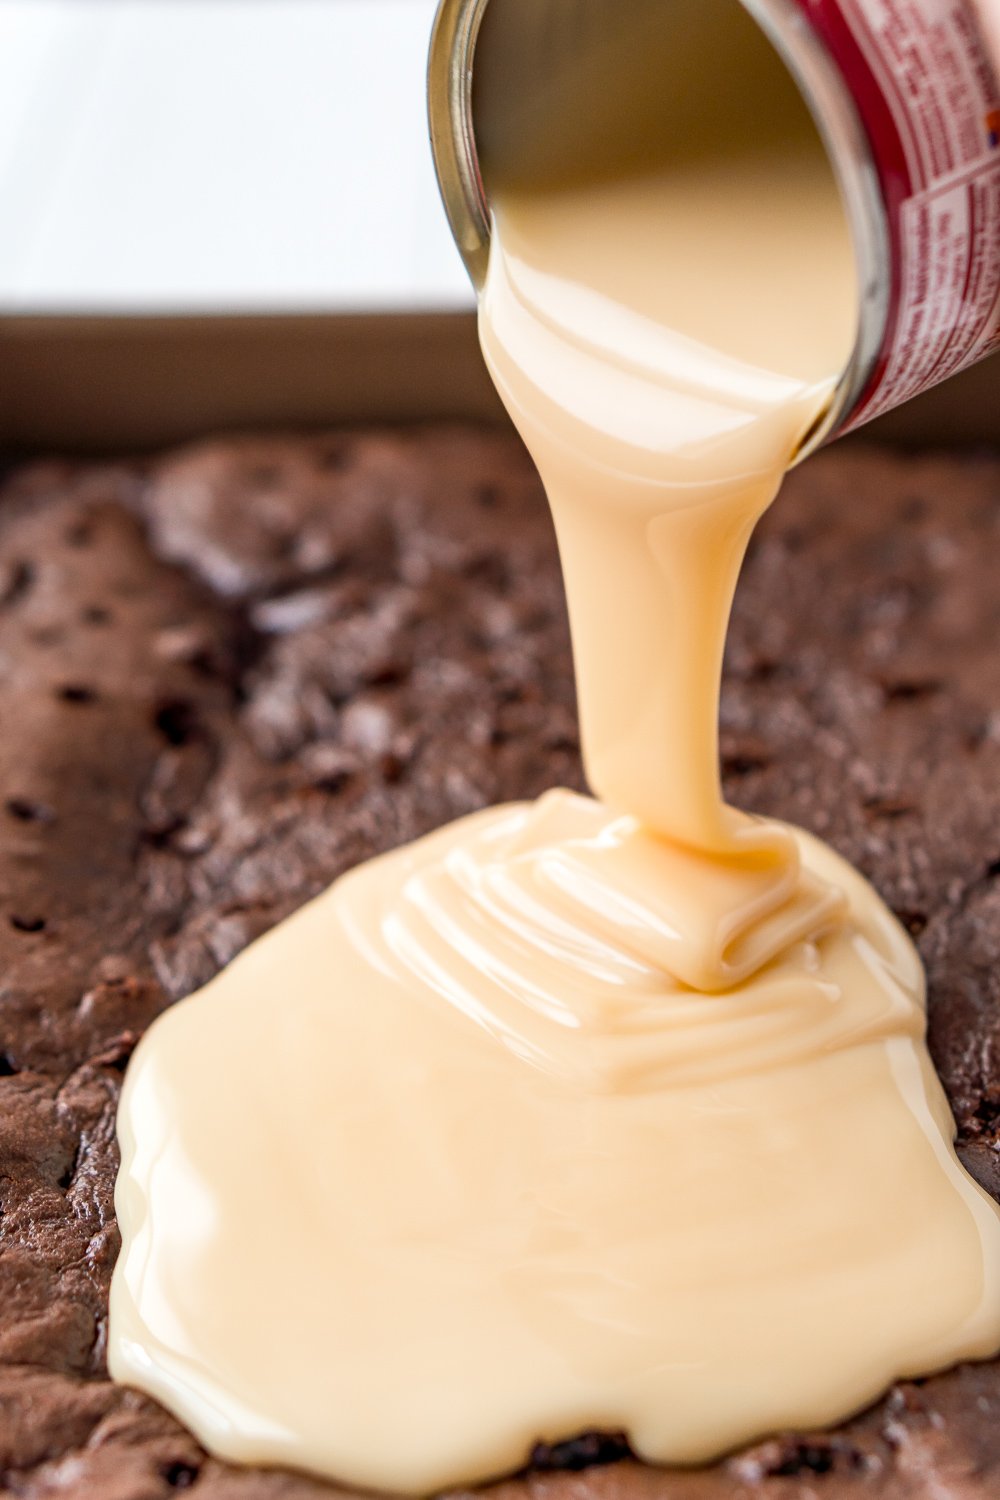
(230, 673)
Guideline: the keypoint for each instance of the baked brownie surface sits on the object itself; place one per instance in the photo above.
(229, 674)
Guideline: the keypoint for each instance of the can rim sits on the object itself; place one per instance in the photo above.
(824, 90)
(453, 143)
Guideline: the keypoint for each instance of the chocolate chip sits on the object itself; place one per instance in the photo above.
(911, 690)
(744, 765)
(179, 1474)
(177, 721)
(26, 811)
(791, 1458)
(331, 785)
(806, 1458)
(16, 579)
(590, 1450)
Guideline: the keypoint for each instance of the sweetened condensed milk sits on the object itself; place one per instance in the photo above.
(588, 1114)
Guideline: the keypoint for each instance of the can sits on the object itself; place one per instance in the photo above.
(906, 98)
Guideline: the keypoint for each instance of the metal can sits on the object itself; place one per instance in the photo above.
(907, 100)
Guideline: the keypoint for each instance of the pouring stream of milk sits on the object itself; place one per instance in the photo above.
(594, 1114)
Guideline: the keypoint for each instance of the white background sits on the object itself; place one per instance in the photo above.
(219, 155)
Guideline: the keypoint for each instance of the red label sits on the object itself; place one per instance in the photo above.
(929, 100)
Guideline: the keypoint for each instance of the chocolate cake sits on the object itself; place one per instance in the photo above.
(230, 673)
